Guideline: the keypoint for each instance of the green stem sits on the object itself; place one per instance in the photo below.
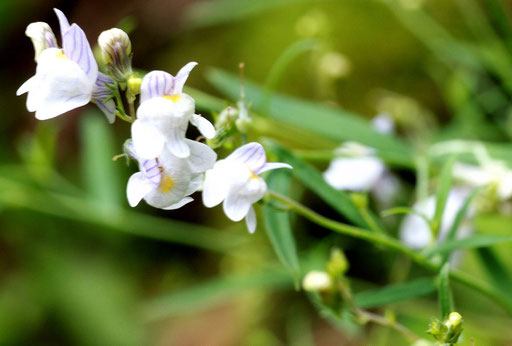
(391, 243)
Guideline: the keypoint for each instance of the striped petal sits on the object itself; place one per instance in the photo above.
(156, 84)
(77, 49)
(251, 154)
(102, 96)
(182, 77)
(63, 21)
(202, 157)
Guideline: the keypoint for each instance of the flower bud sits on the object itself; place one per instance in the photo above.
(134, 85)
(317, 280)
(337, 265)
(454, 325)
(116, 50)
(42, 37)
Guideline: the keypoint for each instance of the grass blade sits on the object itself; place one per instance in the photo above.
(495, 268)
(278, 226)
(332, 123)
(395, 293)
(443, 189)
(311, 178)
(476, 241)
(444, 291)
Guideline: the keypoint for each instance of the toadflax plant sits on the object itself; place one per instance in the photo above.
(172, 168)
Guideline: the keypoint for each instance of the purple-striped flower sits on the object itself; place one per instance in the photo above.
(235, 181)
(167, 181)
(65, 78)
(164, 114)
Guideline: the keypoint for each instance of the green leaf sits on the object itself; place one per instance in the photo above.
(311, 178)
(395, 293)
(476, 241)
(278, 226)
(206, 13)
(100, 173)
(444, 291)
(332, 123)
(211, 292)
(495, 268)
(443, 189)
(15, 194)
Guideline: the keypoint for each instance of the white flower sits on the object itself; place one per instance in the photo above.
(235, 181)
(164, 113)
(493, 172)
(167, 181)
(415, 232)
(359, 171)
(65, 78)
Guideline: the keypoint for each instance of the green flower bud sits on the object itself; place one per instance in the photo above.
(337, 265)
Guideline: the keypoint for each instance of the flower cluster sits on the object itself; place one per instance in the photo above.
(171, 167)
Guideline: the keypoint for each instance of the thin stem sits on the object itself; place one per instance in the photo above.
(386, 241)
(367, 316)
(370, 221)
(131, 108)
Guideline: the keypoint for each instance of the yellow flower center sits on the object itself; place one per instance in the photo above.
(174, 98)
(252, 175)
(61, 55)
(166, 184)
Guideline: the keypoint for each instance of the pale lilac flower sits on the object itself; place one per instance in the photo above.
(167, 181)
(164, 114)
(359, 169)
(415, 232)
(235, 181)
(65, 78)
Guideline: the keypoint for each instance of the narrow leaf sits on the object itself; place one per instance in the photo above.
(444, 291)
(211, 292)
(311, 178)
(461, 214)
(476, 241)
(395, 293)
(332, 123)
(278, 225)
(495, 268)
(443, 189)
(100, 173)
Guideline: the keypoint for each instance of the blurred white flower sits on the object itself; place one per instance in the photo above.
(167, 181)
(316, 280)
(235, 181)
(360, 170)
(65, 78)
(164, 113)
(415, 232)
(492, 173)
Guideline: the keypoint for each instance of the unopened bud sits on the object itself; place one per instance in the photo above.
(337, 265)
(42, 37)
(134, 85)
(454, 319)
(243, 124)
(317, 280)
(116, 50)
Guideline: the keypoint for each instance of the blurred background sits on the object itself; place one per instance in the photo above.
(79, 267)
